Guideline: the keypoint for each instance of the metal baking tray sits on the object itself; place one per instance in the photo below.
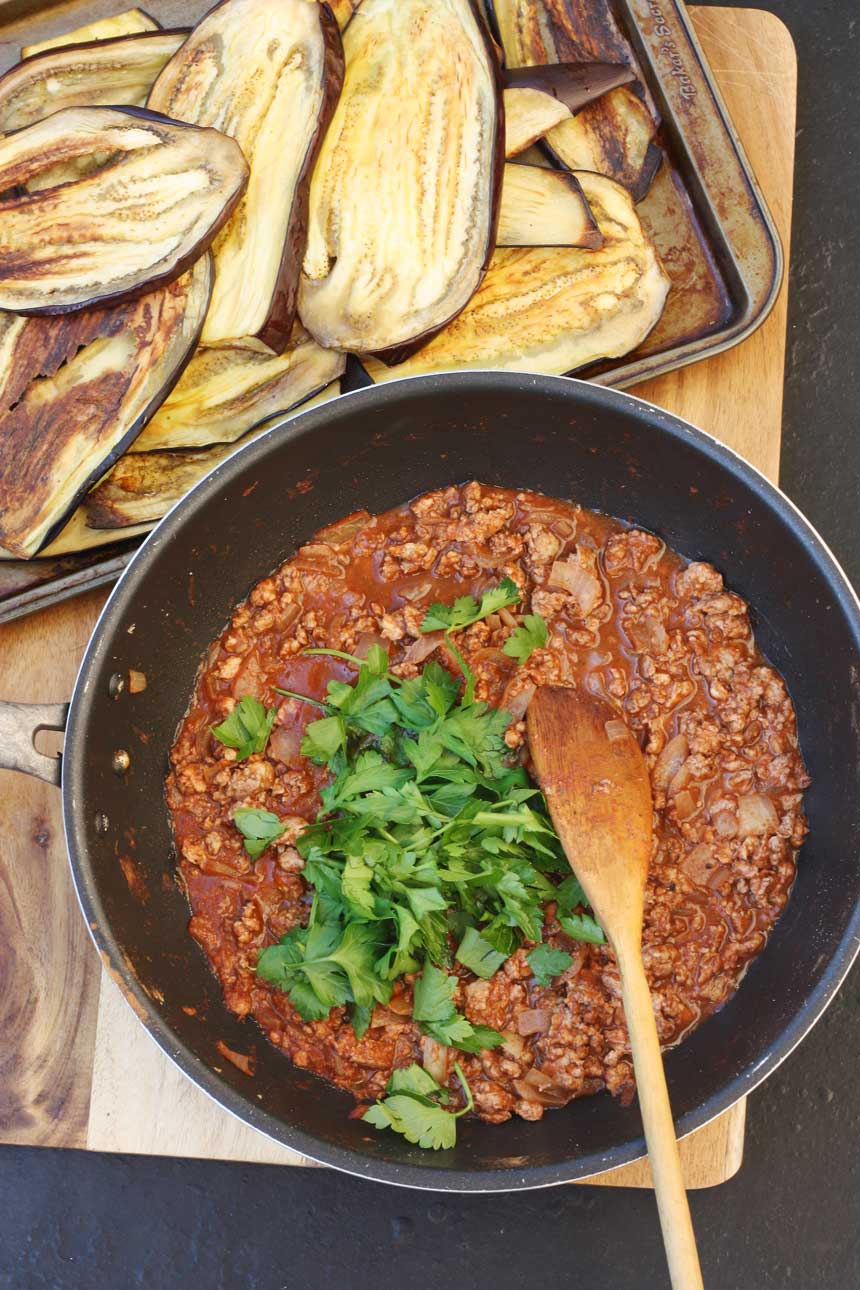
(705, 213)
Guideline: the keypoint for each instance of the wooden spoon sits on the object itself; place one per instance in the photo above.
(596, 784)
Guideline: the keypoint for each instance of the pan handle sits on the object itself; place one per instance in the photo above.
(19, 725)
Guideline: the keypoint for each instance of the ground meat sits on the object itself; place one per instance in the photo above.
(663, 640)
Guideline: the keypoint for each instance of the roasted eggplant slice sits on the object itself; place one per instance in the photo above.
(119, 24)
(529, 114)
(535, 32)
(554, 310)
(127, 228)
(545, 208)
(76, 390)
(143, 486)
(268, 73)
(613, 136)
(225, 391)
(573, 84)
(117, 72)
(404, 195)
(77, 535)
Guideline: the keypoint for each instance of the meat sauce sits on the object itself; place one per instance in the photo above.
(659, 638)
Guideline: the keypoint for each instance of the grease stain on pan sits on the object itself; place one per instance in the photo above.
(136, 882)
(244, 1062)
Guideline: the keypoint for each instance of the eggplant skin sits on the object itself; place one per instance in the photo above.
(613, 132)
(405, 194)
(164, 195)
(76, 390)
(114, 72)
(573, 84)
(119, 24)
(275, 96)
(556, 309)
(226, 390)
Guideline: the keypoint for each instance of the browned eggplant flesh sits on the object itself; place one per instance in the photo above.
(545, 208)
(226, 390)
(119, 71)
(126, 228)
(275, 96)
(555, 309)
(74, 392)
(118, 24)
(404, 195)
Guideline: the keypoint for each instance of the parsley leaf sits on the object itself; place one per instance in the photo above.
(569, 895)
(547, 962)
(247, 728)
(478, 955)
(582, 927)
(433, 997)
(466, 610)
(258, 828)
(415, 1080)
(325, 965)
(459, 1032)
(359, 1016)
(532, 634)
(433, 1008)
(323, 738)
(413, 1106)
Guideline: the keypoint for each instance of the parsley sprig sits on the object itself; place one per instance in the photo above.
(433, 1009)
(463, 613)
(430, 844)
(416, 1106)
(247, 728)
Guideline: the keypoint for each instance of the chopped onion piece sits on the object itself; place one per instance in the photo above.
(670, 761)
(757, 815)
(423, 647)
(434, 1059)
(532, 1021)
(580, 583)
(518, 705)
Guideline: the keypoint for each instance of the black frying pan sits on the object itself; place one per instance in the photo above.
(374, 449)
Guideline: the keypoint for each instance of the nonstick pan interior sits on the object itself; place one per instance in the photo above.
(373, 450)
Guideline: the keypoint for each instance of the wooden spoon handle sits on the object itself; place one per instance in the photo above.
(678, 1236)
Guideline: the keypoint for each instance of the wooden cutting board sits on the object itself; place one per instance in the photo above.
(76, 1068)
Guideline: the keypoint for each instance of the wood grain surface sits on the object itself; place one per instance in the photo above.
(76, 1068)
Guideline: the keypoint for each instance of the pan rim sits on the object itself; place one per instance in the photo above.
(434, 1177)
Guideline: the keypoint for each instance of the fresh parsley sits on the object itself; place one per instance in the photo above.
(325, 965)
(547, 962)
(466, 610)
(532, 634)
(582, 927)
(415, 1106)
(478, 955)
(258, 828)
(247, 728)
(463, 613)
(431, 843)
(433, 1009)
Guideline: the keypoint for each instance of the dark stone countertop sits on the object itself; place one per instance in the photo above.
(792, 1215)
